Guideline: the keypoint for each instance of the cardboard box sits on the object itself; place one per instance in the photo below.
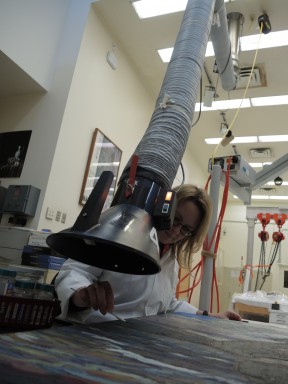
(252, 312)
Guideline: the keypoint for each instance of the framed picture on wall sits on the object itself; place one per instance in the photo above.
(104, 155)
(13, 149)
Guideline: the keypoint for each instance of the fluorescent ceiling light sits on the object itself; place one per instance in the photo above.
(272, 183)
(165, 54)
(265, 197)
(271, 100)
(259, 165)
(224, 104)
(251, 139)
(213, 140)
(246, 103)
(244, 139)
(247, 43)
(279, 197)
(152, 8)
(272, 138)
(236, 140)
(270, 40)
(259, 197)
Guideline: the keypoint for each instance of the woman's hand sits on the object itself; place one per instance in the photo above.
(98, 296)
(230, 315)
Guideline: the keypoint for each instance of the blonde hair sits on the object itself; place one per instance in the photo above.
(186, 247)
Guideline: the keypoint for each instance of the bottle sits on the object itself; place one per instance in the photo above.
(44, 291)
(7, 282)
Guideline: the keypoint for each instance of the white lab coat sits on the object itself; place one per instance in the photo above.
(134, 295)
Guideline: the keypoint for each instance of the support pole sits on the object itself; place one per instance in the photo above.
(249, 259)
(206, 283)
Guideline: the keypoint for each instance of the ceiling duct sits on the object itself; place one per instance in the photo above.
(235, 24)
(257, 153)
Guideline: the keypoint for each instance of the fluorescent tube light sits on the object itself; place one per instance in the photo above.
(272, 183)
(251, 139)
(224, 104)
(165, 54)
(259, 197)
(279, 197)
(236, 140)
(272, 138)
(213, 140)
(152, 8)
(270, 100)
(245, 139)
(246, 103)
(247, 43)
(259, 165)
(265, 197)
(270, 40)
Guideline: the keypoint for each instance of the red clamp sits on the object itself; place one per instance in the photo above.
(132, 176)
(279, 219)
(264, 218)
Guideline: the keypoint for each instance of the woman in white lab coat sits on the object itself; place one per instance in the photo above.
(89, 294)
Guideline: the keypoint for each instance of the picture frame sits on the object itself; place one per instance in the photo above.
(13, 150)
(103, 155)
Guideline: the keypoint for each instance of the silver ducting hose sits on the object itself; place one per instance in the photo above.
(222, 47)
(162, 147)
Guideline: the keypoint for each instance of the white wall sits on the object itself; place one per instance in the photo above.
(42, 114)
(27, 36)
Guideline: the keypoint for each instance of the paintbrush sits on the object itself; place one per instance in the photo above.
(111, 313)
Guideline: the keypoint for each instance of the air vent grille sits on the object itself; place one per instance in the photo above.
(264, 153)
(257, 77)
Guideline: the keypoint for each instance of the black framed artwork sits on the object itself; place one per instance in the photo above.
(13, 149)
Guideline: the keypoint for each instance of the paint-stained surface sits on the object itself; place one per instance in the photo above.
(157, 349)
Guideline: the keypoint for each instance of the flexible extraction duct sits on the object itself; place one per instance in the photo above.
(162, 147)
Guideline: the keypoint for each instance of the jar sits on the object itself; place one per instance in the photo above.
(7, 281)
(44, 291)
(24, 288)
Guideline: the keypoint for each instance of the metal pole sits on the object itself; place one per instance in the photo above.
(206, 283)
(249, 259)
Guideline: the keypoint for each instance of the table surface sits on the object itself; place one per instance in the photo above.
(171, 348)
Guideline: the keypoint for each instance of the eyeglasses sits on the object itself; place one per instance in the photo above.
(184, 230)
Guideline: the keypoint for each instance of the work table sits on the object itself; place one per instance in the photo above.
(171, 348)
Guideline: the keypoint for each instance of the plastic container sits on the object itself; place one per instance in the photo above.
(24, 313)
(44, 291)
(33, 276)
(7, 282)
(24, 288)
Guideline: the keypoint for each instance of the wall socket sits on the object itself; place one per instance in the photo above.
(58, 215)
(63, 218)
(50, 213)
